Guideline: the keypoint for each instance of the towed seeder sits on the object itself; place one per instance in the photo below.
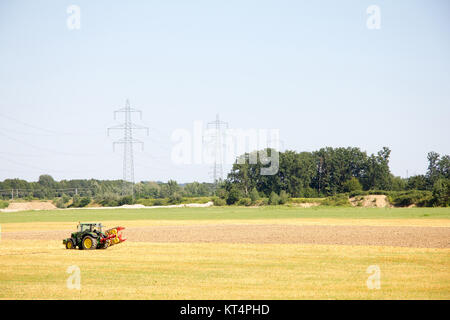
(90, 236)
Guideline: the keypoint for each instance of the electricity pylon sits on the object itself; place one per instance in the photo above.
(128, 163)
(217, 169)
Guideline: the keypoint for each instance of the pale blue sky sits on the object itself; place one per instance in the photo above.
(309, 68)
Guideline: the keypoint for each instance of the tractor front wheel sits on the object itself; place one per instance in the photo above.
(70, 244)
(88, 243)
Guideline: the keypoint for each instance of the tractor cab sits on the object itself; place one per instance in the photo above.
(90, 227)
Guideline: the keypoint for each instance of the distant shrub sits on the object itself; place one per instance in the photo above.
(284, 197)
(84, 201)
(352, 185)
(233, 195)
(78, 202)
(254, 195)
(261, 202)
(200, 200)
(152, 202)
(407, 198)
(368, 192)
(274, 199)
(65, 198)
(222, 193)
(75, 200)
(305, 200)
(59, 203)
(309, 193)
(157, 202)
(175, 198)
(3, 204)
(245, 202)
(219, 202)
(336, 201)
(63, 201)
(125, 200)
(108, 200)
(441, 192)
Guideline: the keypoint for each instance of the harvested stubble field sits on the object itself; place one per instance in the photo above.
(228, 253)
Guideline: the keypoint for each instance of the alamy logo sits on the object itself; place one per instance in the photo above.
(374, 280)
(207, 146)
(74, 280)
(74, 20)
(374, 20)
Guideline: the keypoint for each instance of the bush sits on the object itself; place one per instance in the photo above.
(336, 201)
(175, 198)
(152, 202)
(254, 195)
(284, 197)
(4, 204)
(309, 193)
(441, 192)
(352, 185)
(222, 193)
(200, 200)
(75, 200)
(245, 202)
(158, 202)
(219, 202)
(262, 202)
(233, 196)
(126, 200)
(305, 200)
(59, 203)
(274, 199)
(78, 202)
(108, 200)
(407, 198)
(84, 201)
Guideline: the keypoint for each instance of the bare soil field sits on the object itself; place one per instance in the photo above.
(399, 236)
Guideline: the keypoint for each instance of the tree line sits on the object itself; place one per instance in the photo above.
(322, 173)
(331, 171)
(47, 188)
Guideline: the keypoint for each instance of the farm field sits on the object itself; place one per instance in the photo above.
(231, 253)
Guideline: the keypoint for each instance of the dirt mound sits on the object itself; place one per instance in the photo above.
(32, 205)
(370, 201)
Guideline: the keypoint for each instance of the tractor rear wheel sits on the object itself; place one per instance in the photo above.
(89, 243)
(70, 244)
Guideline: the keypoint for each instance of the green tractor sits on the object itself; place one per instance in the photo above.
(90, 236)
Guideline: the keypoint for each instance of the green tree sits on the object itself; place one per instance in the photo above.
(233, 195)
(46, 181)
(398, 183)
(441, 192)
(418, 182)
(254, 195)
(173, 187)
(175, 198)
(352, 185)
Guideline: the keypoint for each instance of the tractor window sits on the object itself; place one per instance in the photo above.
(84, 227)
